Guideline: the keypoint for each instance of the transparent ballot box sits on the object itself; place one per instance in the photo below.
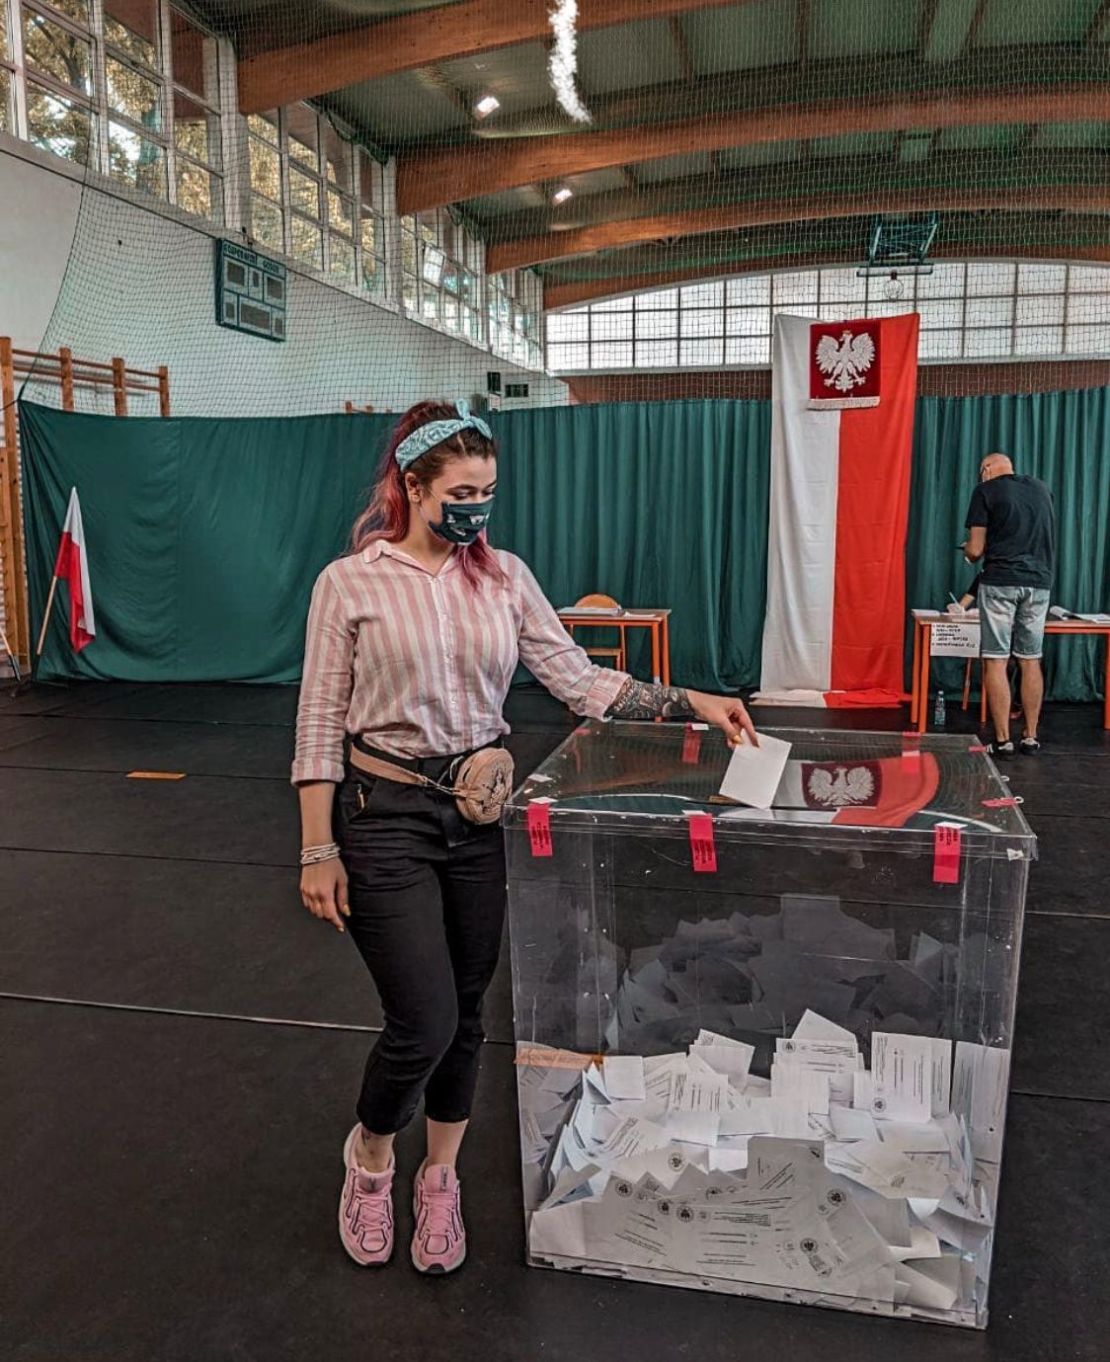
(766, 1052)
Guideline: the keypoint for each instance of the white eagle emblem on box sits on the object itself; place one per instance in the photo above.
(840, 787)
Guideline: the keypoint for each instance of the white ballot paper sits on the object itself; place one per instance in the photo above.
(687, 1165)
(902, 1076)
(754, 773)
(624, 1077)
(979, 1084)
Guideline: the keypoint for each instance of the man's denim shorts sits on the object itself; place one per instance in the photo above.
(1011, 620)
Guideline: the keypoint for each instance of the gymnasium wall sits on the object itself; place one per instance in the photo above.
(933, 380)
(340, 347)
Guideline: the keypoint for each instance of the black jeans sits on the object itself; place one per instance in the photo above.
(427, 899)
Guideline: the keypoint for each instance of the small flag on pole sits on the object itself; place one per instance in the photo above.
(72, 567)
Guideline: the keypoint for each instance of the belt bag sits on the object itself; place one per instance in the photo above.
(481, 782)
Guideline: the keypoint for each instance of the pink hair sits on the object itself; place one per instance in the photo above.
(387, 514)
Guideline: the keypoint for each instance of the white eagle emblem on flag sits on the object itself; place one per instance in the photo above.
(845, 363)
(842, 787)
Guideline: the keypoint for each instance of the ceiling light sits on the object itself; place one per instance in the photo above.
(486, 105)
(561, 196)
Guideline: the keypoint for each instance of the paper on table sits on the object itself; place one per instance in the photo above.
(754, 773)
(592, 610)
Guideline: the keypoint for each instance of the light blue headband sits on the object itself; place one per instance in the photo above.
(424, 437)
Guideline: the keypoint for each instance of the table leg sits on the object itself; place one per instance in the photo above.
(923, 691)
(1106, 688)
(655, 674)
(667, 650)
(914, 677)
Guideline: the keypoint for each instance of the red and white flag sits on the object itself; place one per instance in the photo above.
(841, 436)
(72, 567)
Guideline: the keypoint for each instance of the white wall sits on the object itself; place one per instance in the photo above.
(140, 284)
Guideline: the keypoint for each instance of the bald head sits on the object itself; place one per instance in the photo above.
(995, 466)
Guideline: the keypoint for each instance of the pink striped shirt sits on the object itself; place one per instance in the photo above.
(419, 664)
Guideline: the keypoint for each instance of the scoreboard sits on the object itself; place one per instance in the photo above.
(251, 291)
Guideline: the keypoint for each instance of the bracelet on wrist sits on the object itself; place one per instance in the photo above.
(329, 851)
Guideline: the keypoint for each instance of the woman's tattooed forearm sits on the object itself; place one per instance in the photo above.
(639, 700)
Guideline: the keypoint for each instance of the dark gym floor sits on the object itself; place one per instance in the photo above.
(181, 1044)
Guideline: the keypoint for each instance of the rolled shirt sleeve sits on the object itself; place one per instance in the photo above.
(556, 661)
(325, 687)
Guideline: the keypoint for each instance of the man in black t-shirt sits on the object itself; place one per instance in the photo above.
(1012, 527)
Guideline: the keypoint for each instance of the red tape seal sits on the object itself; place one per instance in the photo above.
(691, 743)
(539, 827)
(946, 854)
(703, 849)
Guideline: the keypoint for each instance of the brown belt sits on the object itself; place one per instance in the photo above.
(375, 766)
(480, 782)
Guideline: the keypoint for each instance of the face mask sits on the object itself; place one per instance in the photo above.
(462, 522)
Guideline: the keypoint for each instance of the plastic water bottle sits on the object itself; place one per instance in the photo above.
(939, 713)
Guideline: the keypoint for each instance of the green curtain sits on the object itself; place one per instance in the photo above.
(1060, 437)
(204, 536)
(655, 504)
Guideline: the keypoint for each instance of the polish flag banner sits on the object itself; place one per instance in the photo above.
(72, 567)
(841, 439)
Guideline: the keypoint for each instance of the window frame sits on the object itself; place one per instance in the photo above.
(103, 113)
(961, 335)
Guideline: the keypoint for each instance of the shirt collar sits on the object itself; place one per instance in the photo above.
(381, 547)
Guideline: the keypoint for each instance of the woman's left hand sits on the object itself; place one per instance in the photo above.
(728, 713)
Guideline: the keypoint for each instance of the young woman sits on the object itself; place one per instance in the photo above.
(413, 639)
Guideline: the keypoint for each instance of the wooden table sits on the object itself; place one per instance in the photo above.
(923, 621)
(655, 620)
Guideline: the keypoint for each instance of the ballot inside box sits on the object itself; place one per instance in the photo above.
(766, 1051)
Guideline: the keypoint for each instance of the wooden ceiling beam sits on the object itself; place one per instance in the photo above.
(557, 296)
(682, 47)
(453, 174)
(423, 37)
(765, 87)
(511, 255)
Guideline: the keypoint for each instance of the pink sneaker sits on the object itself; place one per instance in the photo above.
(365, 1210)
(439, 1240)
